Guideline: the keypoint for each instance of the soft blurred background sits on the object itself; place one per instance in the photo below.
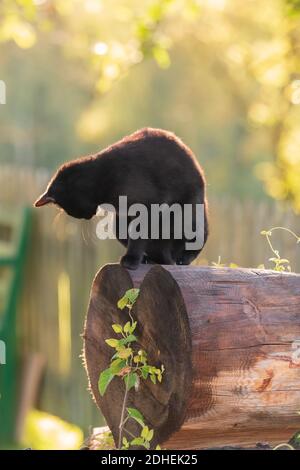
(222, 74)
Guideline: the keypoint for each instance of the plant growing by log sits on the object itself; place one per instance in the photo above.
(218, 264)
(280, 264)
(132, 365)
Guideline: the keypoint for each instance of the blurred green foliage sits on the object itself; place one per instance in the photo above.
(293, 6)
(222, 74)
(47, 432)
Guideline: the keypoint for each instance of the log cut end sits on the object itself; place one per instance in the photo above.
(163, 332)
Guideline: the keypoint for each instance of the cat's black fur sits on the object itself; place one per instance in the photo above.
(151, 166)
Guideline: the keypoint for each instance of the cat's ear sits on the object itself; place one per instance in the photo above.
(43, 200)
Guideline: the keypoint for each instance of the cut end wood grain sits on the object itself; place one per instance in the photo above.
(229, 340)
(163, 331)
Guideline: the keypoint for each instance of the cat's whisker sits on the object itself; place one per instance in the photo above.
(57, 218)
(83, 234)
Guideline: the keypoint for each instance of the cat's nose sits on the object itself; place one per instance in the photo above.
(43, 200)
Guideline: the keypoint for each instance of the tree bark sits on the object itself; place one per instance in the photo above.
(229, 340)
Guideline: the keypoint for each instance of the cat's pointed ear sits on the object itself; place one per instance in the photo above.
(43, 200)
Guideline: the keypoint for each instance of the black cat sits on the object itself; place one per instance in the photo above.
(151, 166)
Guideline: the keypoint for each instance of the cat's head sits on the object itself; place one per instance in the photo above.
(72, 189)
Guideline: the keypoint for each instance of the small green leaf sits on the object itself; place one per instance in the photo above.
(127, 327)
(125, 353)
(135, 414)
(137, 441)
(112, 342)
(130, 380)
(132, 295)
(128, 299)
(117, 328)
(104, 380)
(145, 432)
(145, 372)
(122, 303)
(153, 378)
(130, 339)
(117, 365)
(125, 443)
(150, 435)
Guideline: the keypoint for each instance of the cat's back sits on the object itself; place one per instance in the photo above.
(150, 165)
(149, 138)
(149, 147)
(154, 160)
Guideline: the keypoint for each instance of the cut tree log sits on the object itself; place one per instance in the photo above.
(230, 343)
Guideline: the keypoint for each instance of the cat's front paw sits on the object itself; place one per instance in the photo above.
(130, 262)
(147, 260)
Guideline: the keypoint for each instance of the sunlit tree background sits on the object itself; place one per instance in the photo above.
(223, 74)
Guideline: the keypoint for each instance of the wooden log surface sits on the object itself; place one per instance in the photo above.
(230, 342)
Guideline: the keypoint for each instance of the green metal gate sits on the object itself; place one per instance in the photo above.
(14, 234)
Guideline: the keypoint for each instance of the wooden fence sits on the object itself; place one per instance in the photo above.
(63, 258)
